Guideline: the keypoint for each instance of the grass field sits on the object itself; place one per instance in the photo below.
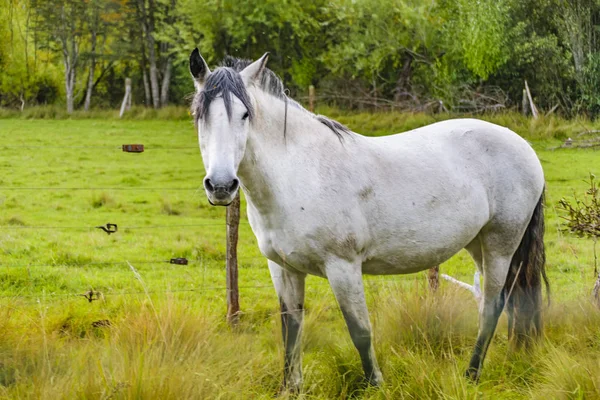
(160, 333)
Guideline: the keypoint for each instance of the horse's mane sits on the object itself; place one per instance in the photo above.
(223, 81)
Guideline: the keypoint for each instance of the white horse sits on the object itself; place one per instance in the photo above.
(325, 201)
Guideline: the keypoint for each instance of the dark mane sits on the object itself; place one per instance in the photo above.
(226, 82)
(269, 82)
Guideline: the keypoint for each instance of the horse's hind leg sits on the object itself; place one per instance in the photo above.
(290, 289)
(346, 282)
(474, 249)
(495, 269)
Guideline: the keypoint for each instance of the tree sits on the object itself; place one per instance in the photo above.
(386, 44)
(102, 19)
(21, 80)
(63, 22)
(93, 22)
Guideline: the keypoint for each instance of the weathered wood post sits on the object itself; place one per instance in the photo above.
(233, 296)
(596, 291)
(127, 97)
(128, 106)
(532, 107)
(311, 98)
(433, 277)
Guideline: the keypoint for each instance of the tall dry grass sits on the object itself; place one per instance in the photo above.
(182, 349)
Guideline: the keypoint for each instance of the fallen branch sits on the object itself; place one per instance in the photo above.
(552, 110)
(590, 132)
(475, 288)
(578, 144)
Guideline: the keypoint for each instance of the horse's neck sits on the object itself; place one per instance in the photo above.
(271, 158)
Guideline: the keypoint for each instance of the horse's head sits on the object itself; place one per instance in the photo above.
(223, 111)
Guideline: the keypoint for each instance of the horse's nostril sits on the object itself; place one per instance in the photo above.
(208, 185)
(234, 185)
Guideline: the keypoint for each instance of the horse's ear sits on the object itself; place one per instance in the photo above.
(198, 68)
(253, 71)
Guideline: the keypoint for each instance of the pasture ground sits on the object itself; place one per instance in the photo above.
(160, 333)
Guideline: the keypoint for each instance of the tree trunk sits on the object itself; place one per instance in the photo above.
(164, 92)
(147, 17)
(146, 87)
(152, 55)
(70, 50)
(403, 82)
(90, 85)
(153, 75)
(141, 16)
(168, 62)
(69, 84)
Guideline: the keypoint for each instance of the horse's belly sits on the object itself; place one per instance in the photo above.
(406, 261)
(410, 245)
(385, 267)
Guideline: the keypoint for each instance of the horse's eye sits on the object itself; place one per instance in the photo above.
(245, 116)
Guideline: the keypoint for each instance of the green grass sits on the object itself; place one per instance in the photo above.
(174, 343)
(54, 112)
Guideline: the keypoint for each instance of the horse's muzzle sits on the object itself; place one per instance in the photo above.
(221, 192)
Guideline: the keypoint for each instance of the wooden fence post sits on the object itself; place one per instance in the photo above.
(127, 97)
(433, 277)
(311, 98)
(233, 296)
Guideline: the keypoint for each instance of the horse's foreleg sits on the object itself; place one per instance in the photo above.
(495, 270)
(290, 289)
(346, 282)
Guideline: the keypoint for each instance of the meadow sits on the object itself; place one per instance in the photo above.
(158, 330)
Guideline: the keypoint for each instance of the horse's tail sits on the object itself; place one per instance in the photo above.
(523, 288)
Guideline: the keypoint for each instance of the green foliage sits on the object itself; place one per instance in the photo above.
(26, 75)
(583, 216)
(382, 40)
(479, 28)
(433, 55)
(537, 53)
(589, 86)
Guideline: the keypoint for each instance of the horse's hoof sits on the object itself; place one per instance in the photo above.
(287, 390)
(376, 380)
(472, 374)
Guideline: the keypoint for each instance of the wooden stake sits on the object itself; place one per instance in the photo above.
(433, 277)
(311, 98)
(233, 296)
(534, 110)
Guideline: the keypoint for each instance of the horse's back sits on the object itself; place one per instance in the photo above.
(495, 152)
(504, 161)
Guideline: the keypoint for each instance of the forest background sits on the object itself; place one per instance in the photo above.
(458, 56)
